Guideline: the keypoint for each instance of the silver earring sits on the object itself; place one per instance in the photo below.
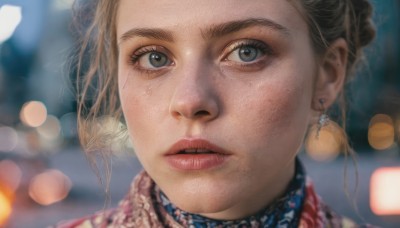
(323, 118)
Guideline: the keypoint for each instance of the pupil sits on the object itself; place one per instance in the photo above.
(248, 54)
(158, 59)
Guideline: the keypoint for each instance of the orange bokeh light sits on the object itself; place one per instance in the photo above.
(10, 174)
(33, 114)
(328, 145)
(385, 191)
(381, 132)
(49, 187)
(5, 207)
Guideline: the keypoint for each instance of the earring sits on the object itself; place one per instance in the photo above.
(323, 118)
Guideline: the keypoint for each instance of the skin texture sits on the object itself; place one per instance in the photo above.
(258, 111)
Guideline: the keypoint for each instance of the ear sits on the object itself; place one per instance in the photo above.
(331, 75)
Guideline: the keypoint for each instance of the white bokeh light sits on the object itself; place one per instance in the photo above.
(10, 17)
(62, 4)
(8, 139)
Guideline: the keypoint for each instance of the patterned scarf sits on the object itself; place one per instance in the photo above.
(146, 207)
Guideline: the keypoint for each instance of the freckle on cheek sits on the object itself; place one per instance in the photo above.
(283, 107)
(148, 91)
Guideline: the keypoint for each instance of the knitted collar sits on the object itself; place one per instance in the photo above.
(284, 212)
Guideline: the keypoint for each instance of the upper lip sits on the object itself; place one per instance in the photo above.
(200, 145)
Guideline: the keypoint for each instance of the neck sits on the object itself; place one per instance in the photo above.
(283, 209)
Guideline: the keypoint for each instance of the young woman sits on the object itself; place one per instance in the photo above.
(217, 97)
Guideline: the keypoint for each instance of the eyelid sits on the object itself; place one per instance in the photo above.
(265, 48)
(267, 55)
(134, 59)
(135, 56)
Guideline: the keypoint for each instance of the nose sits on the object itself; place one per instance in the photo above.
(195, 96)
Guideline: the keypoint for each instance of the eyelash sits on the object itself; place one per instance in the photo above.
(264, 48)
(135, 58)
(139, 53)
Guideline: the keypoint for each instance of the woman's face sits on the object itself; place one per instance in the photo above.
(217, 98)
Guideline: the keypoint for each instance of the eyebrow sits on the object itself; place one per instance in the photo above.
(155, 33)
(235, 26)
(213, 31)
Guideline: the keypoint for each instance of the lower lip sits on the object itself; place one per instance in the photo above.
(196, 161)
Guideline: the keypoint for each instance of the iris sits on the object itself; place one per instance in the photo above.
(248, 53)
(157, 59)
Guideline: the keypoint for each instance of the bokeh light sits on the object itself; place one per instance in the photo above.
(33, 114)
(328, 145)
(32, 143)
(10, 174)
(49, 187)
(5, 208)
(69, 125)
(381, 132)
(62, 4)
(10, 17)
(385, 191)
(8, 139)
(113, 128)
(50, 129)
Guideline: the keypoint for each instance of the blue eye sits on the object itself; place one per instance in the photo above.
(245, 53)
(151, 58)
(157, 59)
(248, 53)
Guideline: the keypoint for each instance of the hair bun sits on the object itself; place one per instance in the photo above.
(362, 13)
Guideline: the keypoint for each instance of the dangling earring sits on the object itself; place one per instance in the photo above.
(323, 118)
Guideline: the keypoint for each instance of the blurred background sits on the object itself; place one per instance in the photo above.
(45, 177)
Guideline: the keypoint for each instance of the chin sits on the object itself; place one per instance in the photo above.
(209, 198)
(198, 204)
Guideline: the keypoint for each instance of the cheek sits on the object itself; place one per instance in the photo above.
(285, 106)
(129, 104)
(276, 114)
(145, 108)
(136, 107)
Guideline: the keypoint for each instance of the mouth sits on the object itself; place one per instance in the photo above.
(195, 146)
(196, 154)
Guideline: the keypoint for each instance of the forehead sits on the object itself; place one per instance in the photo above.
(184, 15)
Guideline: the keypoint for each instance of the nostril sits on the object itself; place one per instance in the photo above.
(202, 113)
